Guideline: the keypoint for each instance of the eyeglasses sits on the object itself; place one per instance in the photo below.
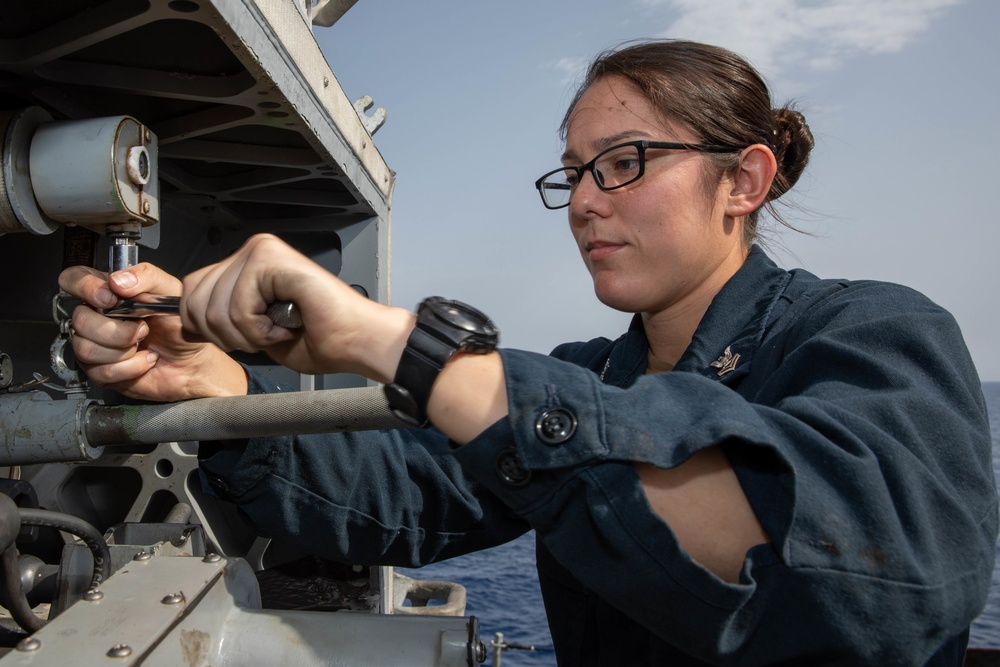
(612, 169)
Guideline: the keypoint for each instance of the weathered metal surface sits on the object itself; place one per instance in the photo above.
(36, 429)
(185, 610)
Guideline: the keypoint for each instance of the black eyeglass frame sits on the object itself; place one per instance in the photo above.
(641, 146)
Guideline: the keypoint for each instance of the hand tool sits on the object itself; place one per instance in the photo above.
(282, 313)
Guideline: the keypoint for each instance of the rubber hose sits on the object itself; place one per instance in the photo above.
(75, 526)
(12, 594)
(10, 521)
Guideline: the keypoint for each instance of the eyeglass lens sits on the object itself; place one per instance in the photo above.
(612, 169)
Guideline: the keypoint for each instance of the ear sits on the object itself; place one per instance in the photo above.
(752, 180)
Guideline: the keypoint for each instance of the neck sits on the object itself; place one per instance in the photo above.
(669, 331)
(668, 336)
(656, 365)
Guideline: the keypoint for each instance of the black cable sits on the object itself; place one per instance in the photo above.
(12, 594)
(75, 526)
(11, 591)
(10, 521)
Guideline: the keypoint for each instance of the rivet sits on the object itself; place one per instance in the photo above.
(120, 651)
(146, 207)
(142, 555)
(173, 598)
(29, 644)
(93, 595)
(212, 558)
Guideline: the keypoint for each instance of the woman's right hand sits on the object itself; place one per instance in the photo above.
(151, 358)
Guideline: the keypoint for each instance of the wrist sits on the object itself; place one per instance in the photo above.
(443, 329)
(219, 376)
(375, 348)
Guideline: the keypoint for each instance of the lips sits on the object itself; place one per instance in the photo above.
(601, 250)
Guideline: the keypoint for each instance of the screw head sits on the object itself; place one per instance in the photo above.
(173, 598)
(212, 558)
(120, 651)
(29, 644)
(142, 555)
(93, 595)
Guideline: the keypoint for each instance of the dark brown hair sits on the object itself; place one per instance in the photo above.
(716, 94)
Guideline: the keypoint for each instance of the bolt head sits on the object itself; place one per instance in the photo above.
(120, 651)
(29, 644)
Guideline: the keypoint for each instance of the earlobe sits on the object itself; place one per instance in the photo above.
(752, 181)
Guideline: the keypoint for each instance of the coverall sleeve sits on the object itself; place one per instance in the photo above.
(860, 437)
(395, 497)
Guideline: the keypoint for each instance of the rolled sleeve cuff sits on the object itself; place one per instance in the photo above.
(552, 431)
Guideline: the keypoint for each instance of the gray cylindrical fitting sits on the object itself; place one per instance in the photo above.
(37, 429)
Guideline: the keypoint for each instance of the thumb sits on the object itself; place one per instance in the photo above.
(143, 278)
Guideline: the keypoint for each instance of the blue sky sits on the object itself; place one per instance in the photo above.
(903, 97)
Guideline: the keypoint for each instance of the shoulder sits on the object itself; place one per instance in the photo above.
(874, 327)
(808, 297)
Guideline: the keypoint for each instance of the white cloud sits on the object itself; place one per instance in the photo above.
(572, 68)
(819, 34)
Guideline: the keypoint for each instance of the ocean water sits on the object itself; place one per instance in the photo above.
(986, 628)
(502, 588)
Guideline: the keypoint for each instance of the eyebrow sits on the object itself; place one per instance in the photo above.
(607, 142)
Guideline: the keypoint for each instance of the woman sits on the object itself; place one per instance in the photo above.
(766, 468)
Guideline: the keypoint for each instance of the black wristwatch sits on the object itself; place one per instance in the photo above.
(444, 328)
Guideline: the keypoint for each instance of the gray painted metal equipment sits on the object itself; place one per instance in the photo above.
(176, 610)
(183, 126)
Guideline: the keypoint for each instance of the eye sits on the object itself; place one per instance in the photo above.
(619, 163)
(624, 164)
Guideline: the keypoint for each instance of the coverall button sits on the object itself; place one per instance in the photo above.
(555, 426)
(219, 484)
(510, 470)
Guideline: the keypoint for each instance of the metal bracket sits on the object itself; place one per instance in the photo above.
(371, 122)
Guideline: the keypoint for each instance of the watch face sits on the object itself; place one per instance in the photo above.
(464, 317)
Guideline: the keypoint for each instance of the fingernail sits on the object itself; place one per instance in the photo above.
(123, 279)
(151, 357)
(142, 331)
(104, 297)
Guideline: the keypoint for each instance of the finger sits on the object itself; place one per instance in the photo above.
(101, 331)
(142, 279)
(205, 303)
(125, 371)
(88, 284)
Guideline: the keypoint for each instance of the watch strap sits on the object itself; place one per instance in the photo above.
(424, 357)
(443, 329)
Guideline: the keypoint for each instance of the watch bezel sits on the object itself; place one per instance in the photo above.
(473, 321)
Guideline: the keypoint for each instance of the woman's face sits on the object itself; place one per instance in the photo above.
(663, 243)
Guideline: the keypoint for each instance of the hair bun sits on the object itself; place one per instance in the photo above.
(792, 144)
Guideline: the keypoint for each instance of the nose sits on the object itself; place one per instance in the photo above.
(586, 195)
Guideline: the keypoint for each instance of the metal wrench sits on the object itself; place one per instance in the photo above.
(282, 313)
